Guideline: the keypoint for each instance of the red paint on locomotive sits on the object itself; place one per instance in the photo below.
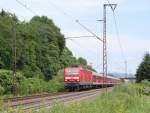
(77, 76)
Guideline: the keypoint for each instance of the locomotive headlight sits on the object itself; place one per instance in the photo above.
(76, 78)
(67, 77)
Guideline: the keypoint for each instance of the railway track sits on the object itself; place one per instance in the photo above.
(22, 98)
(48, 100)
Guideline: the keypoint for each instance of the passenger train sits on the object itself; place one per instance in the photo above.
(77, 78)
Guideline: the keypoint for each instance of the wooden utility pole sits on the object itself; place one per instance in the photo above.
(14, 58)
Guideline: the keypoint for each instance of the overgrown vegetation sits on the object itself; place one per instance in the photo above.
(126, 98)
(143, 72)
(123, 99)
(27, 86)
(146, 87)
(40, 54)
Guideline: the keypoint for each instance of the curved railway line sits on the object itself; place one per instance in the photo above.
(37, 102)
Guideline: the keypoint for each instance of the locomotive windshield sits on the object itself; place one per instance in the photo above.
(72, 71)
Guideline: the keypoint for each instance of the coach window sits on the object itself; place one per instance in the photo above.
(94, 77)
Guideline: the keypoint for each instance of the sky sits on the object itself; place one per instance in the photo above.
(130, 43)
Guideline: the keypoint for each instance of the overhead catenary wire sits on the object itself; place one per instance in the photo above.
(79, 37)
(81, 46)
(66, 14)
(117, 32)
(26, 7)
(30, 10)
(120, 44)
(94, 35)
(61, 10)
(118, 37)
(75, 19)
(83, 26)
(78, 22)
(11, 10)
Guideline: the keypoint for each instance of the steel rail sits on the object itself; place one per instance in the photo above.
(49, 100)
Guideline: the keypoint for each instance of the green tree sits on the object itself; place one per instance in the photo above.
(39, 45)
(82, 61)
(143, 71)
(67, 58)
(40, 50)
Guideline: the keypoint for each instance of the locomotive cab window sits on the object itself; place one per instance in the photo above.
(72, 71)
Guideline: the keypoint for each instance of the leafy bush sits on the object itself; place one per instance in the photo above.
(31, 85)
(57, 82)
(1, 90)
(6, 78)
(145, 83)
(146, 87)
(26, 86)
(36, 85)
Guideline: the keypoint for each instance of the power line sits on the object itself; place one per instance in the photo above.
(75, 19)
(25, 6)
(111, 6)
(66, 14)
(61, 10)
(89, 30)
(117, 32)
(84, 47)
(118, 38)
(79, 37)
(32, 11)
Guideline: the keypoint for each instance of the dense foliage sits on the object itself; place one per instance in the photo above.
(40, 51)
(143, 72)
(39, 45)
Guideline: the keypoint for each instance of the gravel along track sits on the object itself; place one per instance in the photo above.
(22, 98)
(36, 103)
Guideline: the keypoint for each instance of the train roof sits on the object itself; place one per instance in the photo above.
(94, 73)
(108, 76)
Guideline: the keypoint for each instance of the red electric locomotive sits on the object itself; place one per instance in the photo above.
(79, 78)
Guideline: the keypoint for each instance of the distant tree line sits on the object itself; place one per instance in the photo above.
(40, 47)
(143, 71)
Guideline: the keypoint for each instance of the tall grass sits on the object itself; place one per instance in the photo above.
(123, 99)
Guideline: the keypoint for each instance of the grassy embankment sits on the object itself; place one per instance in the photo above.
(123, 99)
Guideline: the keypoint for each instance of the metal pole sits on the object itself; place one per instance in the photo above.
(104, 47)
(105, 42)
(126, 69)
